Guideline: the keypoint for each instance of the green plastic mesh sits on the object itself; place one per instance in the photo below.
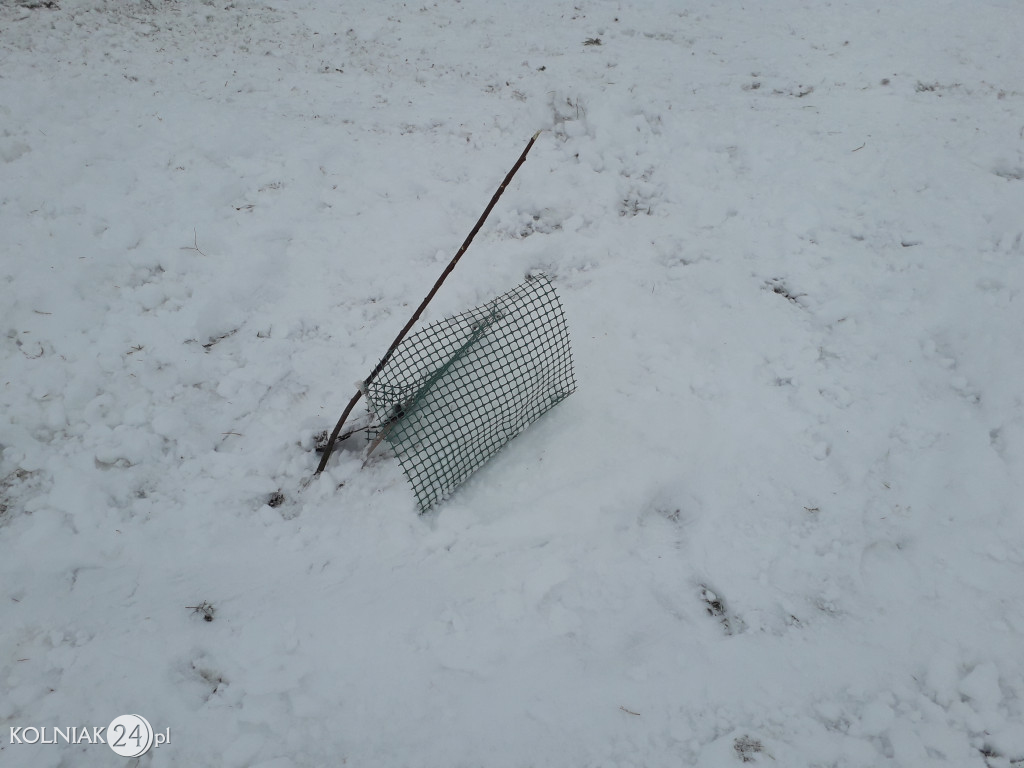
(453, 394)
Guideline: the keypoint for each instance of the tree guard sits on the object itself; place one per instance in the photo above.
(455, 393)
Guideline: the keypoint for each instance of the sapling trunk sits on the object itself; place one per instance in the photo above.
(423, 305)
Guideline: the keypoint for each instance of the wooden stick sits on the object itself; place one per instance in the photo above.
(423, 305)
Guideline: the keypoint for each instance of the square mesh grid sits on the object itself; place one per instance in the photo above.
(453, 394)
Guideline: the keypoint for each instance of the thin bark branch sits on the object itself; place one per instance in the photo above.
(423, 305)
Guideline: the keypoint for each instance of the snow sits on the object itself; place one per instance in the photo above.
(778, 523)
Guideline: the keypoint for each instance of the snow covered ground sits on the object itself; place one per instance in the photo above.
(779, 523)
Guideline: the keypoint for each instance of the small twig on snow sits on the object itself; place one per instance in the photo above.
(194, 246)
(205, 608)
